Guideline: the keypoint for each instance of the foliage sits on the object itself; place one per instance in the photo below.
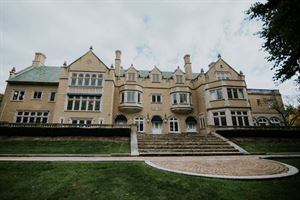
(130, 180)
(281, 28)
(65, 146)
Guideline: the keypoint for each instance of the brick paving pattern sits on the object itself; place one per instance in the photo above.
(226, 167)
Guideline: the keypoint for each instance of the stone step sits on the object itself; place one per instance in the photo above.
(188, 153)
(188, 150)
(182, 143)
(185, 147)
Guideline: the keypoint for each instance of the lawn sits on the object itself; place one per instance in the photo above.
(266, 145)
(68, 145)
(130, 180)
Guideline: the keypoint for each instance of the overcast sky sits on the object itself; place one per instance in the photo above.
(147, 32)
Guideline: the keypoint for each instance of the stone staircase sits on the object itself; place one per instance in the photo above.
(184, 144)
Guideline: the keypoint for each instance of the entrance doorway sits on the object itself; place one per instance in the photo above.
(156, 124)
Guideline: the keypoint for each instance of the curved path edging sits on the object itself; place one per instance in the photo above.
(292, 171)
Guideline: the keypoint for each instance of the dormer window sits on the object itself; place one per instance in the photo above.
(131, 76)
(155, 78)
(179, 79)
(223, 75)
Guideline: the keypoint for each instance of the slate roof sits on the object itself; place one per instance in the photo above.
(50, 74)
(44, 74)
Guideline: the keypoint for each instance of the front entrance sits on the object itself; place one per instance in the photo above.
(156, 127)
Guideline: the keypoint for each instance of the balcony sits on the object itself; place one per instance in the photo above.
(182, 108)
(130, 107)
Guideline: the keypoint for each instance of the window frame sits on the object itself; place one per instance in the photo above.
(219, 117)
(173, 125)
(18, 95)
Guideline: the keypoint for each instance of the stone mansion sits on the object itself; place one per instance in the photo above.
(87, 91)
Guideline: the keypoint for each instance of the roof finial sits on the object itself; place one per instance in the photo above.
(65, 64)
(202, 71)
(219, 55)
(91, 48)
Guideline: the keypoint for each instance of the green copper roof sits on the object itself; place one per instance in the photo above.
(44, 74)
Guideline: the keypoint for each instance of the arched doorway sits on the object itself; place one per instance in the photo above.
(120, 120)
(156, 124)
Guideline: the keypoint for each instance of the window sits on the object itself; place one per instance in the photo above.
(239, 118)
(173, 125)
(156, 98)
(52, 96)
(139, 121)
(202, 121)
(216, 94)
(222, 75)
(18, 95)
(84, 103)
(258, 102)
(219, 118)
(130, 96)
(32, 117)
(183, 98)
(73, 79)
(235, 93)
(87, 79)
(155, 78)
(274, 121)
(174, 99)
(131, 76)
(179, 79)
(82, 121)
(37, 95)
(262, 121)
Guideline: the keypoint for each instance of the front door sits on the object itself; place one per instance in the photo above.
(156, 127)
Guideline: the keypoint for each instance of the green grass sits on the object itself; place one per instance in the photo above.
(64, 146)
(130, 180)
(268, 145)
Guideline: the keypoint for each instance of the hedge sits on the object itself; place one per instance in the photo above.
(261, 132)
(64, 131)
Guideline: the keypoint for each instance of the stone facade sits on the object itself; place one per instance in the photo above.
(87, 91)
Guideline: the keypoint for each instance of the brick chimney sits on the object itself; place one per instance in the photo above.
(39, 60)
(187, 67)
(118, 63)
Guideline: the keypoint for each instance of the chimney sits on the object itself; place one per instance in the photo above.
(39, 60)
(187, 67)
(118, 63)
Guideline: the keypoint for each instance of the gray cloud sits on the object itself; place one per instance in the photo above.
(148, 33)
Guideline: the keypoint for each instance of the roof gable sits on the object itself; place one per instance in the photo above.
(88, 62)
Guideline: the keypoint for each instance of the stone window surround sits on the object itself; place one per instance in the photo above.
(93, 79)
(88, 99)
(37, 95)
(17, 93)
(32, 116)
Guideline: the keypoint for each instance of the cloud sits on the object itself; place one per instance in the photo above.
(148, 33)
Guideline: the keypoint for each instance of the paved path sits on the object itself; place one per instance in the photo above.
(233, 167)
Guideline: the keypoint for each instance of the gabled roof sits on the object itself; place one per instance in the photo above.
(44, 74)
(220, 59)
(90, 51)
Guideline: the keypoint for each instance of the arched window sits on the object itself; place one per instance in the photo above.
(93, 80)
(73, 79)
(87, 80)
(262, 121)
(274, 121)
(173, 125)
(80, 79)
(139, 121)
